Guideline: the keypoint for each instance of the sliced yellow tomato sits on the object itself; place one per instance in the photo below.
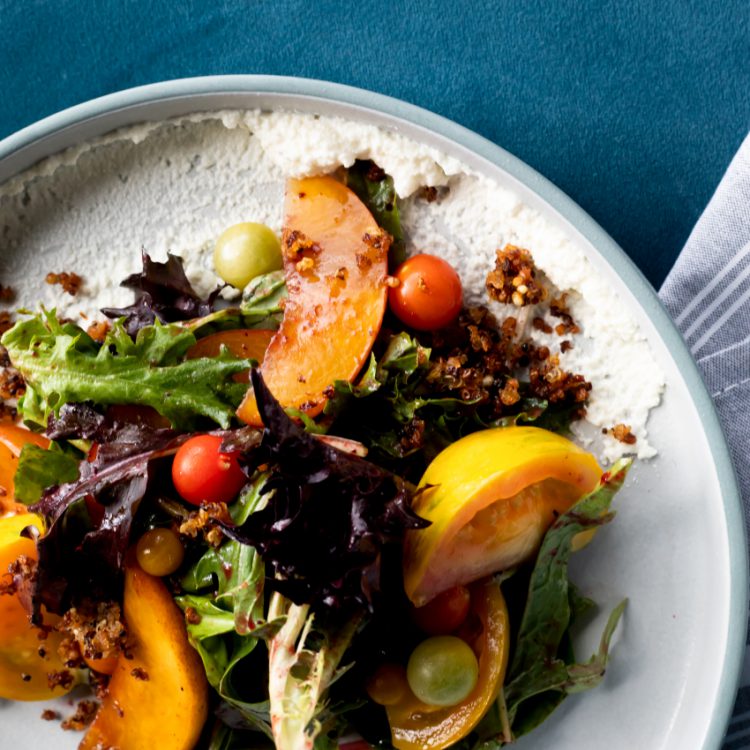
(490, 498)
(23, 668)
(415, 725)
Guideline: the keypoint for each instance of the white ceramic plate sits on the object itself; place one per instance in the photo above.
(678, 550)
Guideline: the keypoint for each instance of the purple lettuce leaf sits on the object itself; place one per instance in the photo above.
(163, 292)
(78, 558)
(328, 516)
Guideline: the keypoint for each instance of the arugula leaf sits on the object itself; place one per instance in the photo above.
(262, 300)
(62, 364)
(39, 468)
(375, 189)
(543, 670)
(226, 623)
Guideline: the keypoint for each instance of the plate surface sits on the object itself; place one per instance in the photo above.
(678, 547)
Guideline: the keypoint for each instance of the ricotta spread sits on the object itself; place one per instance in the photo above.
(178, 184)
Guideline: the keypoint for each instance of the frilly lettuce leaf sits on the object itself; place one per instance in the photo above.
(62, 364)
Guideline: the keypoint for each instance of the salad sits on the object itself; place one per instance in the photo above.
(337, 514)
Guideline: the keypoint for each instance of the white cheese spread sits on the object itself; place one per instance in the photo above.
(177, 185)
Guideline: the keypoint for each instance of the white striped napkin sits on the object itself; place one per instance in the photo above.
(708, 294)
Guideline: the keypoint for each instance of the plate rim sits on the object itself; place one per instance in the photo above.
(620, 262)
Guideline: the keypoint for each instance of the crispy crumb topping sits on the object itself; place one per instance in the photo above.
(70, 282)
(98, 330)
(92, 631)
(513, 280)
(622, 433)
(205, 521)
(83, 716)
(6, 322)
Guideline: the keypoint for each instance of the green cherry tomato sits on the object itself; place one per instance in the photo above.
(245, 251)
(159, 552)
(442, 671)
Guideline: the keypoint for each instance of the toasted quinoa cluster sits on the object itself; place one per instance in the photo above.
(514, 278)
(206, 521)
(94, 630)
(621, 432)
(83, 716)
(481, 360)
(70, 282)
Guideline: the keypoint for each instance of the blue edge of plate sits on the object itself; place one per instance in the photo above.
(567, 208)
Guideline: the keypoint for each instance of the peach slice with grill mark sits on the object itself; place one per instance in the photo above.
(159, 698)
(335, 263)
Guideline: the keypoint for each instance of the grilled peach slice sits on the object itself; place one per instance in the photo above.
(335, 263)
(159, 698)
(246, 343)
(491, 496)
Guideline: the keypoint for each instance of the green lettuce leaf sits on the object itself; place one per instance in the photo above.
(39, 468)
(380, 197)
(262, 301)
(62, 364)
(225, 590)
(261, 307)
(543, 670)
(389, 396)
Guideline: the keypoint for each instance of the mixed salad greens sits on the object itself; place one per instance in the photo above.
(305, 521)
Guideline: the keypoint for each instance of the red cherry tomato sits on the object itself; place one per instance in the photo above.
(445, 613)
(428, 295)
(202, 474)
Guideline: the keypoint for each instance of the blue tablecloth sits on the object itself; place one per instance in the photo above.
(633, 108)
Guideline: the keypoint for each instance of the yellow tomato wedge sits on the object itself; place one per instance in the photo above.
(490, 498)
(23, 671)
(415, 726)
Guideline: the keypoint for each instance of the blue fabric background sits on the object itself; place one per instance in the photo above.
(634, 108)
